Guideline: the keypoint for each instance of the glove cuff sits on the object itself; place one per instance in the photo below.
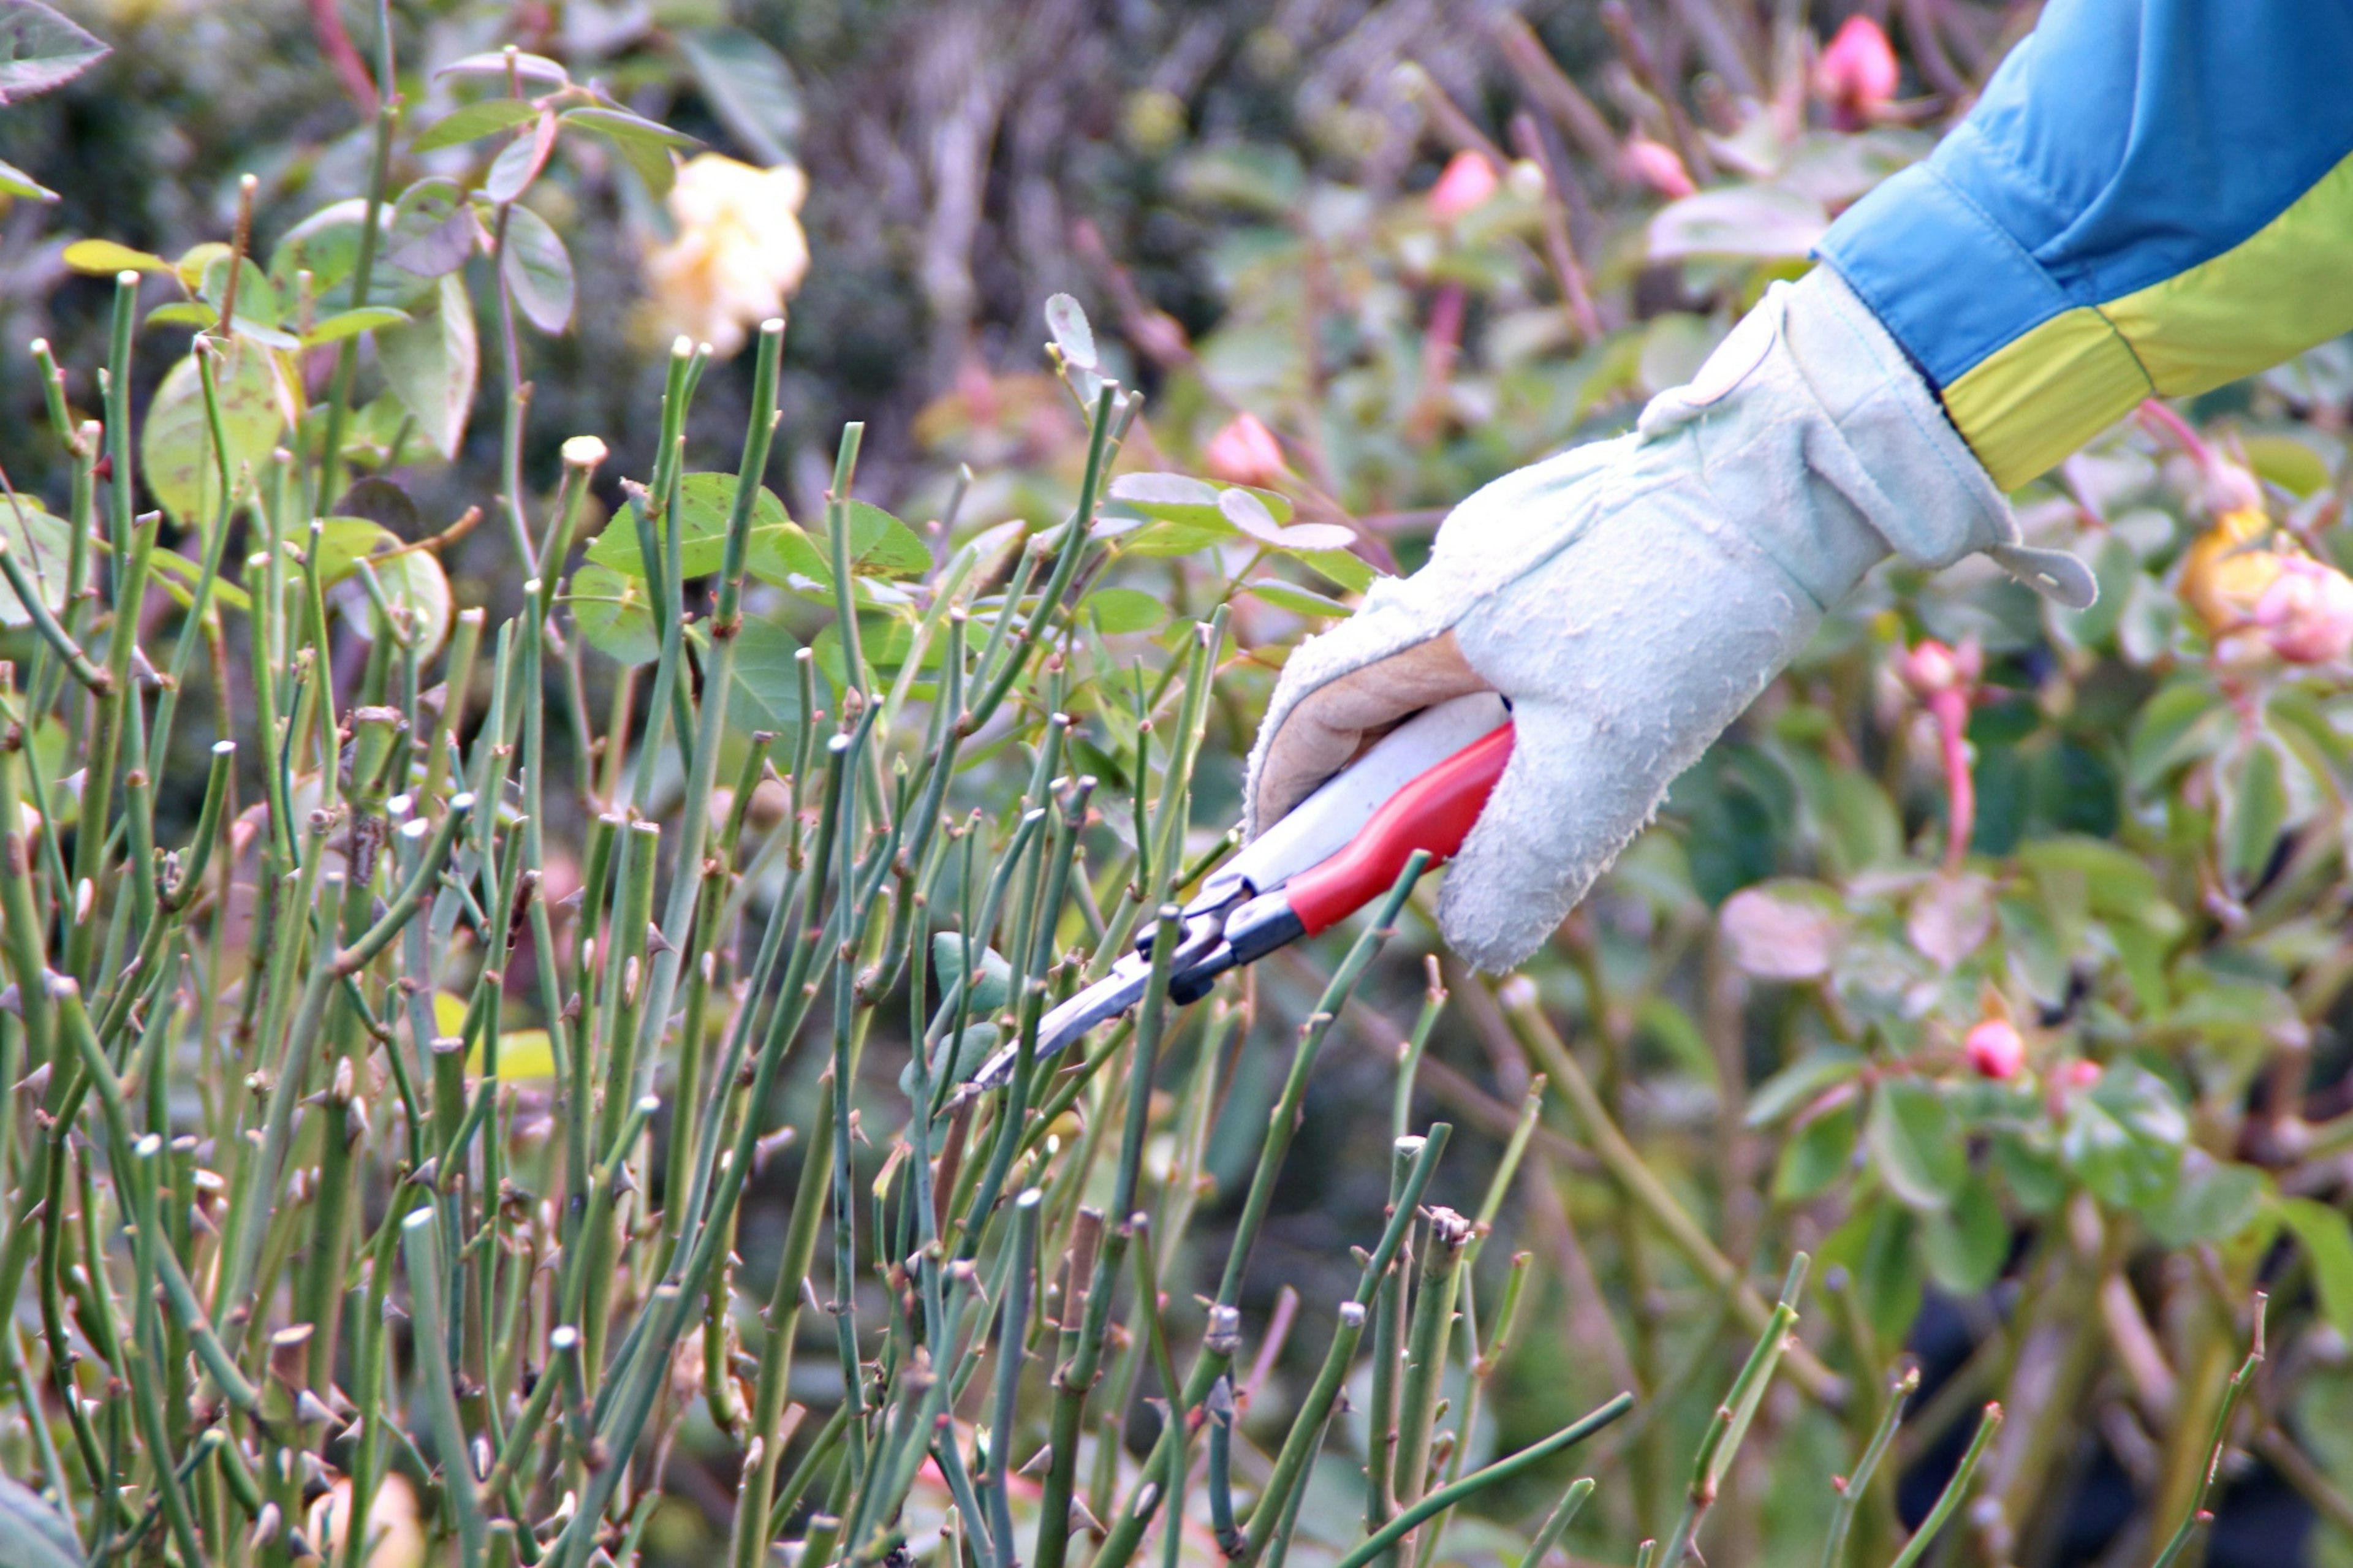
(1940, 503)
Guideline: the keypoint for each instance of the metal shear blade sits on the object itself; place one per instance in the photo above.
(1106, 999)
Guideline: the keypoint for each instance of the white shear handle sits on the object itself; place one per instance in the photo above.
(1320, 826)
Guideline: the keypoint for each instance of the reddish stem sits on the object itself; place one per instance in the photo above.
(335, 43)
(1951, 711)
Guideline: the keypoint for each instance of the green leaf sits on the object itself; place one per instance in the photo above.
(40, 50)
(344, 541)
(2119, 884)
(40, 544)
(2254, 809)
(2327, 1243)
(473, 122)
(1966, 1244)
(2212, 1202)
(1299, 601)
(1247, 511)
(179, 577)
(704, 501)
(32, 1534)
(953, 1060)
(1916, 1143)
(104, 258)
(182, 313)
(1067, 319)
(612, 612)
(995, 983)
(2124, 1139)
(884, 641)
(2032, 1173)
(350, 324)
(415, 585)
(176, 448)
(528, 67)
(14, 181)
(1801, 1082)
(1816, 1155)
(1876, 1247)
(749, 86)
(433, 230)
(880, 546)
(1182, 499)
(646, 145)
(430, 365)
(1118, 610)
(538, 271)
(767, 683)
(1348, 571)
(520, 162)
(2186, 720)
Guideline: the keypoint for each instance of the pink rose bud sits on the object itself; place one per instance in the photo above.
(1932, 668)
(2306, 614)
(2083, 1074)
(1655, 164)
(1468, 181)
(1857, 73)
(1245, 453)
(1995, 1050)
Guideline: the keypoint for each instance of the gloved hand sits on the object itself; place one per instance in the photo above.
(1630, 597)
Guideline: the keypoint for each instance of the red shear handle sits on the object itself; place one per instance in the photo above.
(1434, 813)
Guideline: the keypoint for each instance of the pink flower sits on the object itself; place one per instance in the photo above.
(1995, 1050)
(2083, 1074)
(1857, 73)
(1468, 181)
(2307, 613)
(1245, 453)
(1655, 164)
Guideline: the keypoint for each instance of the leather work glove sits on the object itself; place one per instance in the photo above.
(1632, 596)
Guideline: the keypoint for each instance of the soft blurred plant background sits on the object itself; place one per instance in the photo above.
(1997, 957)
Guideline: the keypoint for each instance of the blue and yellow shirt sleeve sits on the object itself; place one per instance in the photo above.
(2152, 197)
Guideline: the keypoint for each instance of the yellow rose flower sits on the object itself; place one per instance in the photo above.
(739, 255)
(2225, 571)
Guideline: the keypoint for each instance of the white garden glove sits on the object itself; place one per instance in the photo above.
(1630, 597)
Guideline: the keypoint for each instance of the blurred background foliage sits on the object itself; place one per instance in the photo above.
(1997, 955)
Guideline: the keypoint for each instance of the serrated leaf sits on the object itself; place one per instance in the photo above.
(104, 258)
(352, 323)
(1067, 319)
(612, 612)
(880, 546)
(749, 86)
(40, 50)
(473, 122)
(431, 364)
(538, 271)
(175, 450)
(1915, 1143)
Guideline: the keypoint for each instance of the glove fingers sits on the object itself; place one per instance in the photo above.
(1325, 730)
(1621, 667)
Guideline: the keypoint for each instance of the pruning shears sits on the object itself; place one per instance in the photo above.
(1419, 788)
